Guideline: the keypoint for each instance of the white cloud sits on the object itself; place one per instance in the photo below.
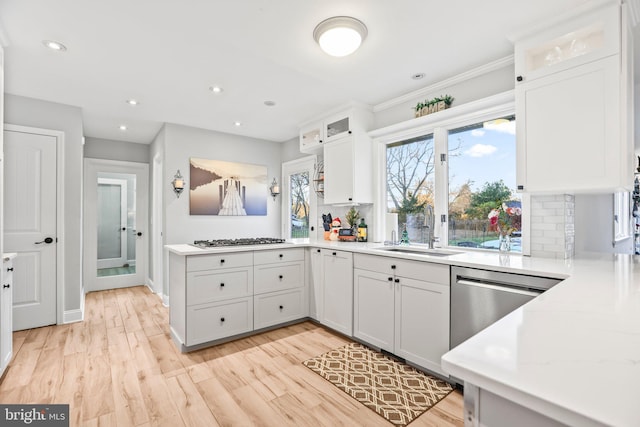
(504, 126)
(480, 150)
(477, 133)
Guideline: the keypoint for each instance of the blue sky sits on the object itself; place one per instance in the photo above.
(486, 155)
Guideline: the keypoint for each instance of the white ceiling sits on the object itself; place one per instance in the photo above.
(167, 53)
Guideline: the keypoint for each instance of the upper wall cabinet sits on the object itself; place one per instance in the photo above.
(574, 103)
(314, 134)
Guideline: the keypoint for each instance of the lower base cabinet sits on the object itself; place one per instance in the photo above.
(403, 307)
(6, 314)
(278, 307)
(337, 291)
(209, 322)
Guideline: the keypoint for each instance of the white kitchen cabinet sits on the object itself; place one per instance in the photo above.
(6, 314)
(574, 116)
(348, 171)
(316, 277)
(279, 287)
(403, 307)
(356, 120)
(337, 290)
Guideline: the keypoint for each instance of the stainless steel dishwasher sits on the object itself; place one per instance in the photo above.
(480, 297)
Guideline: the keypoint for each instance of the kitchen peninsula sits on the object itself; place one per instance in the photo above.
(572, 354)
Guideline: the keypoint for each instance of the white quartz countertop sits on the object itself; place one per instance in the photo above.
(572, 353)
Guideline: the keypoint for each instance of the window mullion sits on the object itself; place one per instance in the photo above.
(441, 188)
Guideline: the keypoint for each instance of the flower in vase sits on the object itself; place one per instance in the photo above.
(505, 219)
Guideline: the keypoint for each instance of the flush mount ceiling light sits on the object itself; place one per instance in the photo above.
(417, 76)
(132, 102)
(123, 128)
(215, 89)
(54, 45)
(237, 124)
(270, 103)
(340, 35)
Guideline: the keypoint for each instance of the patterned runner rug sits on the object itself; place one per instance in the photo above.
(394, 390)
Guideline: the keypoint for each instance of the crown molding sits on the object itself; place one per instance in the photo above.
(462, 77)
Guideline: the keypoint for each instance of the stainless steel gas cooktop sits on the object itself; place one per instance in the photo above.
(237, 242)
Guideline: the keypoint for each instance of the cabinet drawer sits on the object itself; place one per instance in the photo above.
(227, 260)
(278, 256)
(279, 307)
(277, 277)
(208, 322)
(217, 285)
(419, 270)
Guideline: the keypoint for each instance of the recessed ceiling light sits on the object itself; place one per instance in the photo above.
(54, 45)
(340, 35)
(417, 76)
(237, 124)
(215, 89)
(132, 102)
(269, 103)
(123, 127)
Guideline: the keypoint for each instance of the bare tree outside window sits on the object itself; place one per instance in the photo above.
(299, 185)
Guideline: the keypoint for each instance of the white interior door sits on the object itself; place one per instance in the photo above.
(112, 223)
(125, 205)
(30, 219)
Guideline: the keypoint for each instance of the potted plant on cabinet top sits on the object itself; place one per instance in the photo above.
(434, 105)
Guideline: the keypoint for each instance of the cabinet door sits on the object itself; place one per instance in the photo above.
(311, 138)
(315, 283)
(373, 310)
(568, 130)
(6, 314)
(338, 291)
(337, 127)
(422, 322)
(339, 172)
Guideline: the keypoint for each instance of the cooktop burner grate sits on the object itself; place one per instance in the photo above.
(238, 242)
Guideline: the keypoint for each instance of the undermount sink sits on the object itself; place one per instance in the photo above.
(418, 251)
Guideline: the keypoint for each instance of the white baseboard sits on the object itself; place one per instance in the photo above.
(72, 316)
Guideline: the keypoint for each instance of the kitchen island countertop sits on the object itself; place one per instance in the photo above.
(572, 353)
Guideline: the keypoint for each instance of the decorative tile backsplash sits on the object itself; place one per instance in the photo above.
(553, 226)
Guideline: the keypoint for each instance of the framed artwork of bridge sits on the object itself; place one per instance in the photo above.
(224, 188)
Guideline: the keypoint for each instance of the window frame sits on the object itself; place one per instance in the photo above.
(439, 124)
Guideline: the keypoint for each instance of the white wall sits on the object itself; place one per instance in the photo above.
(481, 86)
(108, 149)
(48, 115)
(181, 143)
(594, 225)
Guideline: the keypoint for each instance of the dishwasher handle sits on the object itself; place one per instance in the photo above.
(502, 288)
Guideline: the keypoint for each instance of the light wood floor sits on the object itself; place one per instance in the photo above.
(120, 368)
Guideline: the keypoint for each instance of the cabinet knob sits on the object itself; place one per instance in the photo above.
(318, 250)
(6, 286)
(519, 78)
(390, 279)
(349, 132)
(333, 253)
(393, 267)
(320, 141)
(222, 319)
(281, 256)
(10, 269)
(281, 307)
(280, 277)
(222, 285)
(397, 280)
(350, 199)
(221, 261)
(520, 187)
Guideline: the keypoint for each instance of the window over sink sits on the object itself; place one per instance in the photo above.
(465, 168)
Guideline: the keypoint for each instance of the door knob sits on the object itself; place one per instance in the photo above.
(139, 233)
(47, 240)
(124, 228)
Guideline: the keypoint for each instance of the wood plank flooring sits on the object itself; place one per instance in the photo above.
(120, 368)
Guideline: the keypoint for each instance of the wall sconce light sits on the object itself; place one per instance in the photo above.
(274, 189)
(178, 183)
